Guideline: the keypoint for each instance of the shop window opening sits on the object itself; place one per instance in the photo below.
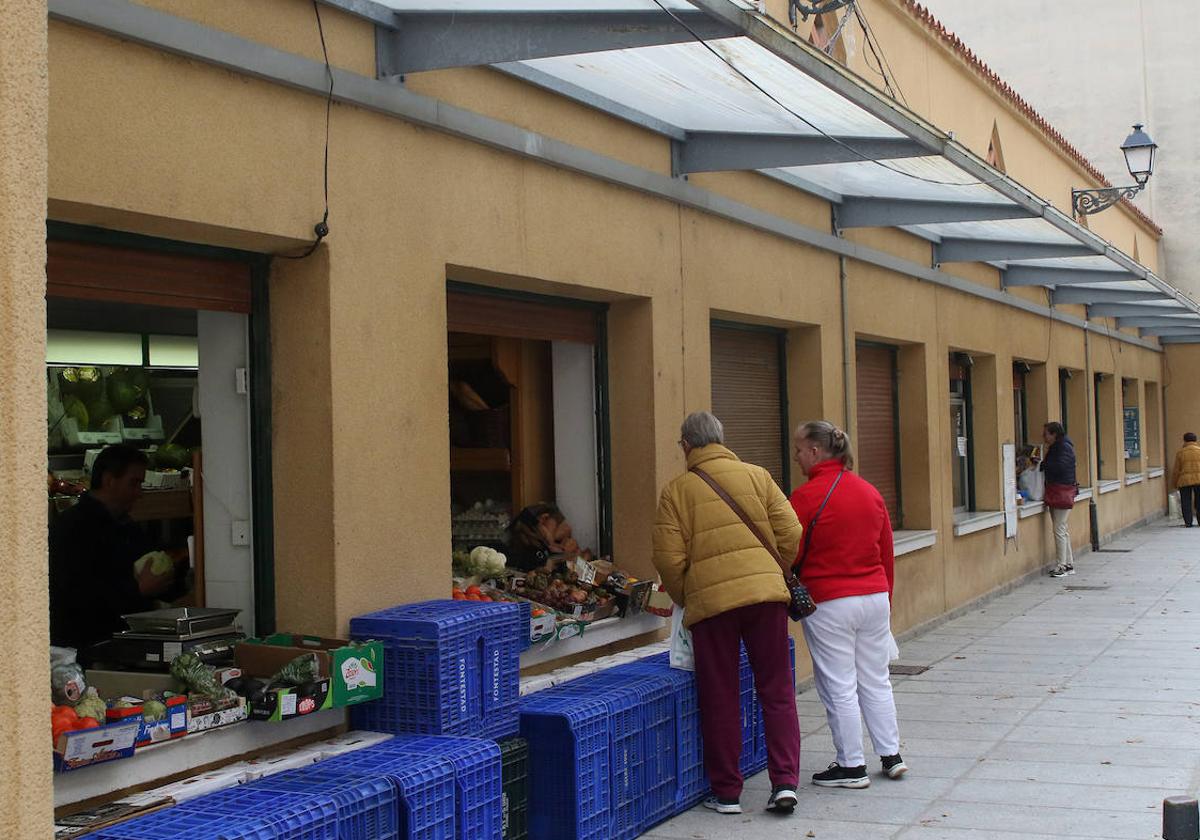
(148, 450)
(749, 387)
(1020, 404)
(877, 418)
(528, 456)
(961, 443)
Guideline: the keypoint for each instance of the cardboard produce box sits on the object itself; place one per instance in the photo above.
(86, 747)
(353, 671)
(174, 725)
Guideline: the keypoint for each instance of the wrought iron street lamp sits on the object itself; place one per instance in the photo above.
(1139, 152)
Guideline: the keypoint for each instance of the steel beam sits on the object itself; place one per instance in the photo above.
(989, 250)
(1179, 339)
(855, 211)
(1124, 310)
(376, 13)
(723, 151)
(1032, 275)
(1159, 321)
(437, 40)
(1172, 331)
(1074, 294)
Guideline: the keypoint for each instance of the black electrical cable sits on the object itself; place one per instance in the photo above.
(836, 140)
(869, 36)
(321, 228)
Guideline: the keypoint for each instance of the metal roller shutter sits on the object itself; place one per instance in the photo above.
(747, 396)
(878, 423)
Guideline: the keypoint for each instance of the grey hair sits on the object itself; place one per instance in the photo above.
(832, 440)
(700, 429)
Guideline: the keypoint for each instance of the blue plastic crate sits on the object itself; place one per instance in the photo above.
(453, 668)
(654, 773)
(568, 766)
(691, 785)
(317, 821)
(424, 785)
(290, 810)
(627, 749)
(479, 808)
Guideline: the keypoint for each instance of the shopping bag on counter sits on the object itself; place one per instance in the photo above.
(682, 656)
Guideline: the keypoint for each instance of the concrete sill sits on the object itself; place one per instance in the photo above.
(906, 542)
(1030, 509)
(1110, 486)
(1134, 478)
(975, 521)
(1156, 472)
(169, 758)
(1083, 495)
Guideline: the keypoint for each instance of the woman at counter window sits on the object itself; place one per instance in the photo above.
(539, 533)
(1059, 467)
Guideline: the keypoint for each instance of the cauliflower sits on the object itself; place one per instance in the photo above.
(487, 562)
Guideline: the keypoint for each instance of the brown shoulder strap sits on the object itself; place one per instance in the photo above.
(720, 491)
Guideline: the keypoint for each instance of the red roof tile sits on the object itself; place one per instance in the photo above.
(956, 45)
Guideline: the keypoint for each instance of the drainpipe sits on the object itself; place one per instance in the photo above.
(847, 344)
(1089, 390)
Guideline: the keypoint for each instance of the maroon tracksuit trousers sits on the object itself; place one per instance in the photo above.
(763, 628)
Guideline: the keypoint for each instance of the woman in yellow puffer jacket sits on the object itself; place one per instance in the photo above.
(1186, 477)
(733, 594)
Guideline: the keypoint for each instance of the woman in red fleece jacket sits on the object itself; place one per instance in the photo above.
(846, 562)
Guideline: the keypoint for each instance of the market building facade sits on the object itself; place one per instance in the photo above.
(580, 247)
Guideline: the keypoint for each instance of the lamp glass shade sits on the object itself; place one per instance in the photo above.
(1139, 152)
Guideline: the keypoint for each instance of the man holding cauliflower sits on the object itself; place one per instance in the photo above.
(93, 550)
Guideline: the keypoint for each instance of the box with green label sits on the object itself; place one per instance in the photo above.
(354, 669)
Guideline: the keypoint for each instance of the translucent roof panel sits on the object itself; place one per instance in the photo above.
(1122, 286)
(925, 178)
(1096, 263)
(689, 87)
(1004, 230)
(532, 5)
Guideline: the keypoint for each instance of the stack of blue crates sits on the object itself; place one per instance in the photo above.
(452, 668)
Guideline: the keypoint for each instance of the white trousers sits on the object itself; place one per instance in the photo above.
(1062, 537)
(850, 640)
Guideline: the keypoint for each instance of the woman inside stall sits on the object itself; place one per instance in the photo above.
(540, 534)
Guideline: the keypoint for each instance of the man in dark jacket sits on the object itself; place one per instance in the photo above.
(92, 550)
(1059, 467)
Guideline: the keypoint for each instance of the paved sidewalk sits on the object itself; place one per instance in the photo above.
(1048, 712)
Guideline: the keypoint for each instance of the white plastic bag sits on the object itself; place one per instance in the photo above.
(894, 649)
(682, 656)
(1033, 483)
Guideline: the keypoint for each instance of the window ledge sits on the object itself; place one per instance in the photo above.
(980, 520)
(906, 542)
(1110, 486)
(1134, 478)
(1030, 509)
(1156, 472)
(599, 633)
(1084, 494)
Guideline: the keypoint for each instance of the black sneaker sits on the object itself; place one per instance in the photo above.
(783, 799)
(846, 777)
(723, 806)
(894, 766)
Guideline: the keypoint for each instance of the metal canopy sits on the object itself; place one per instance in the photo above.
(754, 98)
(1194, 329)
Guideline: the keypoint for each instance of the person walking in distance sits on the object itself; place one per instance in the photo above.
(846, 560)
(721, 568)
(1061, 489)
(1186, 478)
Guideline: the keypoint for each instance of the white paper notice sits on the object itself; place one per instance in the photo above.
(962, 447)
(1009, 453)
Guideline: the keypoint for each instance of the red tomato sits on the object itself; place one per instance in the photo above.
(458, 596)
(86, 723)
(474, 590)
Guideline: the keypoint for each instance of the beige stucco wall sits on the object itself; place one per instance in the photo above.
(362, 520)
(24, 608)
